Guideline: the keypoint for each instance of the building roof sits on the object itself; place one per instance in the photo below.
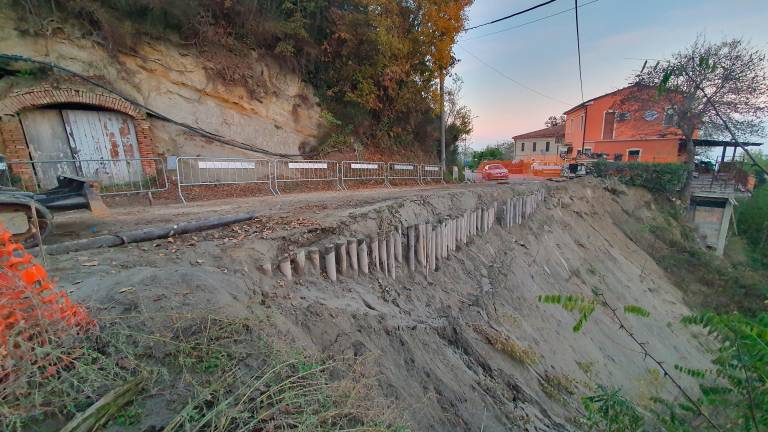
(587, 102)
(550, 132)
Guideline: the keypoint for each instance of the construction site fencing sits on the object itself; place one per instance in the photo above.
(403, 171)
(116, 176)
(208, 171)
(363, 171)
(288, 171)
(431, 173)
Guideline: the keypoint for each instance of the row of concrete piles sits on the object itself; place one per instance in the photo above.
(421, 247)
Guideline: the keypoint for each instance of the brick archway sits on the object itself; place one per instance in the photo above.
(11, 132)
(38, 97)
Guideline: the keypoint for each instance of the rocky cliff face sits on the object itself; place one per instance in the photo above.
(282, 115)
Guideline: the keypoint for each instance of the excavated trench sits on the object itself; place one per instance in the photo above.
(465, 346)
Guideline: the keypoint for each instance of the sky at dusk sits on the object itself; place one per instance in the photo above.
(542, 55)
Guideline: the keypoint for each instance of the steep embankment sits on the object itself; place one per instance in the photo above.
(277, 111)
(429, 341)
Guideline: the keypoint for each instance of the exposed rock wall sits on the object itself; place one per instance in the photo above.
(282, 116)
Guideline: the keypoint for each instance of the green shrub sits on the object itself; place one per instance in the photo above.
(752, 217)
(665, 178)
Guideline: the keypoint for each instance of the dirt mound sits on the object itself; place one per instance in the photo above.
(469, 349)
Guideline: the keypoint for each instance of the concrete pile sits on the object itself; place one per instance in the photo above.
(420, 248)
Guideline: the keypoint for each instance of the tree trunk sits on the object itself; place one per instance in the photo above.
(690, 150)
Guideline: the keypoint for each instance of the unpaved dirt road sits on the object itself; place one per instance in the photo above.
(322, 206)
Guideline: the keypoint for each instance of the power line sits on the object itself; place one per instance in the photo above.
(512, 15)
(529, 22)
(503, 75)
(578, 46)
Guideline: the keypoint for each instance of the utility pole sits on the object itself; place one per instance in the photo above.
(442, 119)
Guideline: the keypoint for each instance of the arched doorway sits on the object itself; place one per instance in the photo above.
(81, 129)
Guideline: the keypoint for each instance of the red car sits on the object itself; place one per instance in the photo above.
(495, 172)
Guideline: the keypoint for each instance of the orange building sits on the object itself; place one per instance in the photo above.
(629, 124)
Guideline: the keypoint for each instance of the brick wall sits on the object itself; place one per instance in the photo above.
(14, 144)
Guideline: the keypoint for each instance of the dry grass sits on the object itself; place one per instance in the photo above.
(216, 374)
(558, 386)
(508, 346)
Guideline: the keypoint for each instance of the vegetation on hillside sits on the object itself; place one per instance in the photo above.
(752, 220)
(374, 64)
(731, 396)
(664, 178)
(191, 373)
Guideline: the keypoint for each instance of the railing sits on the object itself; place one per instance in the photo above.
(147, 175)
(205, 171)
(305, 171)
(362, 170)
(403, 171)
(116, 176)
(431, 172)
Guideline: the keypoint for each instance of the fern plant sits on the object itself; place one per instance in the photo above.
(739, 383)
(585, 306)
(608, 410)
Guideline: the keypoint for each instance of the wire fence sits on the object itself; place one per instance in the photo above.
(205, 171)
(403, 171)
(356, 171)
(116, 176)
(290, 171)
(431, 173)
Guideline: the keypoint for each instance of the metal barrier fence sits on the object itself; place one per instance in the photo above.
(305, 171)
(403, 171)
(116, 176)
(362, 170)
(431, 172)
(205, 171)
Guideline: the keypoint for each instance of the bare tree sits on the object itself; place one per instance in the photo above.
(711, 87)
(553, 121)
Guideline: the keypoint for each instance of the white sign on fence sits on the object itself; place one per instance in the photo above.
(307, 165)
(363, 166)
(431, 168)
(220, 165)
(402, 167)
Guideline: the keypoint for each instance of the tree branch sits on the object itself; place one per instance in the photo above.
(648, 354)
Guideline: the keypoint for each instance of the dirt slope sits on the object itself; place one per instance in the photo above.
(428, 340)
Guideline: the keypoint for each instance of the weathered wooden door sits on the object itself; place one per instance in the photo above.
(47, 140)
(96, 138)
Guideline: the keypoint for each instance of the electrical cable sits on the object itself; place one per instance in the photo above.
(502, 74)
(511, 16)
(528, 22)
(578, 46)
(200, 131)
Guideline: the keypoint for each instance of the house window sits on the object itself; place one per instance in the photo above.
(587, 151)
(669, 117)
(633, 155)
(522, 146)
(623, 116)
(534, 146)
(609, 122)
(581, 122)
(546, 147)
(570, 124)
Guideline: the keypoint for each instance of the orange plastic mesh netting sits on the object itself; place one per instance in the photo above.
(33, 313)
